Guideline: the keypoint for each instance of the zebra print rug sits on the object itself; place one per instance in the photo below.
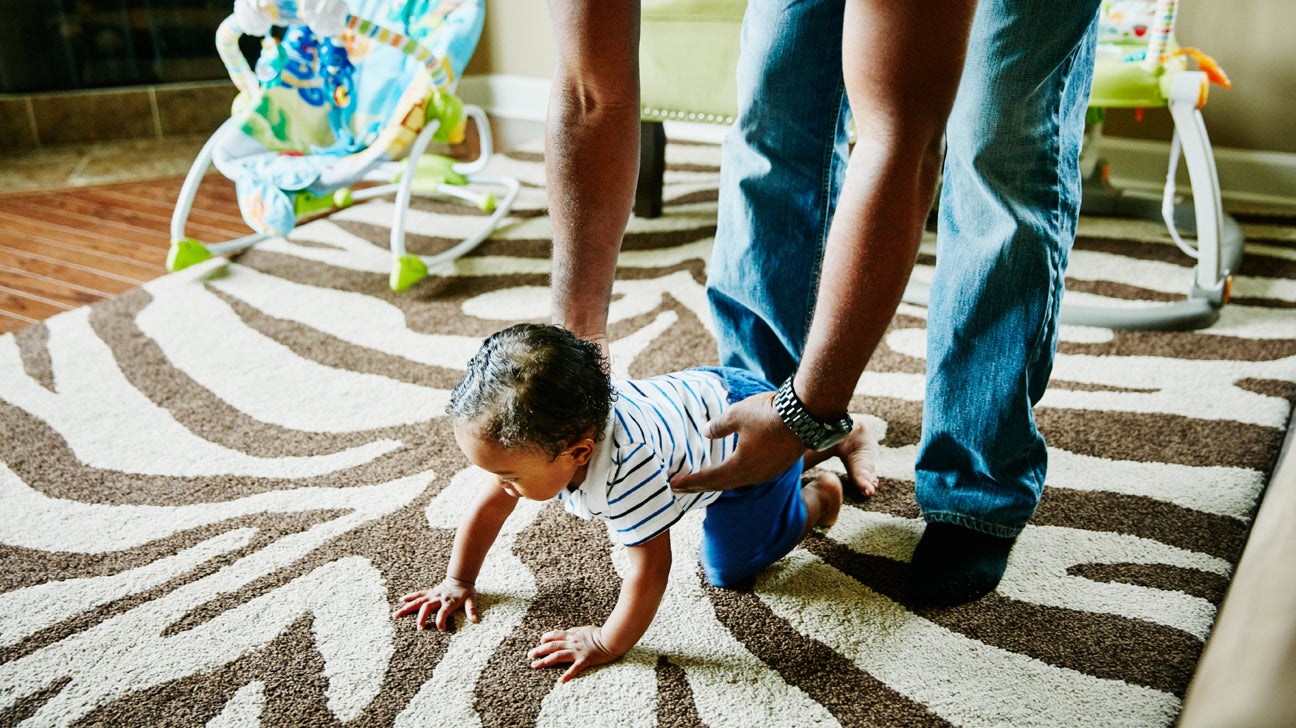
(213, 490)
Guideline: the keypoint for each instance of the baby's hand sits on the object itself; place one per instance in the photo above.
(446, 597)
(581, 646)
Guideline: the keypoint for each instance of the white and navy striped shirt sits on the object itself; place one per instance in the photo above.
(655, 433)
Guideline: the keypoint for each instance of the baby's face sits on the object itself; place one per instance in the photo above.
(522, 473)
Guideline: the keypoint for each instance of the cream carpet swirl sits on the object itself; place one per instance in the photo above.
(213, 490)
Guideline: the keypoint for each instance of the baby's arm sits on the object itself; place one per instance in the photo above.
(641, 593)
(473, 538)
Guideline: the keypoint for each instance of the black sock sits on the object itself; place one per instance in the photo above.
(953, 565)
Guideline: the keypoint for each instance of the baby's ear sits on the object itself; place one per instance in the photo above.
(582, 450)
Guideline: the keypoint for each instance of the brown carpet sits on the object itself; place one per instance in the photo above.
(213, 490)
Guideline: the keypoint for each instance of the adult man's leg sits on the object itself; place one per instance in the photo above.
(780, 173)
(1008, 211)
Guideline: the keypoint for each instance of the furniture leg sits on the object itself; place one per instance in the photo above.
(652, 169)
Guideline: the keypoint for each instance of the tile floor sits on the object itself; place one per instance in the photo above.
(82, 165)
(96, 163)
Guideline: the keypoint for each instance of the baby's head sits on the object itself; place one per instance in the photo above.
(532, 389)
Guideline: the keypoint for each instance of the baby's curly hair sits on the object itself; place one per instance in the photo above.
(535, 386)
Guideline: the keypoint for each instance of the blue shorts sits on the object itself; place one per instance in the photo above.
(748, 528)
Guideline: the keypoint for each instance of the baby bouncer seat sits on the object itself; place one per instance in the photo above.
(346, 92)
(1140, 65)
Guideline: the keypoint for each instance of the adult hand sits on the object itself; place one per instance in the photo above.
(766, 447)
(581, 646)
(446, 598)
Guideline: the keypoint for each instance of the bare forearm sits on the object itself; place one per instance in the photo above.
(591, 154)
(477, 532)
(901, 93)
(589, 213)
(868, 259)
(641, 594)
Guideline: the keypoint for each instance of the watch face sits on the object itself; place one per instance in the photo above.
(812, 433)
(829, 438)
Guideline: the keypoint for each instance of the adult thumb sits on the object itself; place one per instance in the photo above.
(723, 426)
(721, 477)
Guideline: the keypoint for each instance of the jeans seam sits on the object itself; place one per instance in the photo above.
(825, 207)
(959, 519)
(1056, 274)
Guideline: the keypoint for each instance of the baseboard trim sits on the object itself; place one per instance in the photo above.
(520, 98)
(1245, 175)
(523, 98)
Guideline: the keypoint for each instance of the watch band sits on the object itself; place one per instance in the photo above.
(814, 434)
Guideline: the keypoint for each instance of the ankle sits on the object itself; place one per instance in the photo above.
(954, 565)
(823, 498)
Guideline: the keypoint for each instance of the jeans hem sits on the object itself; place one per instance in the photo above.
(959, 519)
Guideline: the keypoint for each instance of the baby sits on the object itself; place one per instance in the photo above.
(537, 408)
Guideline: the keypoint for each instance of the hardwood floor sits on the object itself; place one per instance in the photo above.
(67, 248)
(74, 245)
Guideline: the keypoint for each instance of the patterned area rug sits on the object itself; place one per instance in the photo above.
(214, 489)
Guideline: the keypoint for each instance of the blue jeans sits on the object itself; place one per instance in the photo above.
(1008, 210)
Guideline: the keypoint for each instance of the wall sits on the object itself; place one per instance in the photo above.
(517, 39)
(1251, 39)
(30, 121)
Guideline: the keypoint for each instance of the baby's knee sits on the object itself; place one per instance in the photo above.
(729, 576)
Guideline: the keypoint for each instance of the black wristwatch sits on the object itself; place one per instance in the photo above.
(812, 433)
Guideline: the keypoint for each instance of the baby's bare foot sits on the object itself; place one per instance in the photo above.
(823, 500)
(858, 453)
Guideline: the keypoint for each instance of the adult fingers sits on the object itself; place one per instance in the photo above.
(724, 476)
(723, 426)
(765, 448)
(757, 459)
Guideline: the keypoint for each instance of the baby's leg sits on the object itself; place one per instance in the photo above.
(857, 452)
(823, 501)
